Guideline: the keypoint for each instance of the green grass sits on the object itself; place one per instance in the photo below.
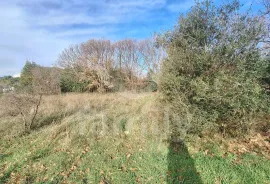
(37, 159)
(63, 148)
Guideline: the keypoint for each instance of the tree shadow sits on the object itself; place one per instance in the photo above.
(181, 168)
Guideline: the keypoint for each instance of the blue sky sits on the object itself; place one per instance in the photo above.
(38, 30)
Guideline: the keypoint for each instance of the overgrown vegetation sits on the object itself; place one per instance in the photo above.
(214, 68)
(68, 145)
(103, 66)
(207, 123)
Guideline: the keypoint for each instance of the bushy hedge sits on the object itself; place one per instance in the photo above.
(211, 78)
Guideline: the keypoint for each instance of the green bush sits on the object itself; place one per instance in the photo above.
(211, 78)
(151, 86)
(26, 79)
(69, 82)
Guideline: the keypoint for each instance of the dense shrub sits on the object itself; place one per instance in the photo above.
(26, 80)
(69, 82)
(212, 73)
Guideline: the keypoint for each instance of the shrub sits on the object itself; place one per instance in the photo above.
(69, 82)
(24, 105)
(26, 79)
(213, 68)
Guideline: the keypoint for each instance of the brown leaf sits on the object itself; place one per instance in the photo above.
(132, 169)
(128, 155)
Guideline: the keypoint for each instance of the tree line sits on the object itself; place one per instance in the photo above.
(102, 65)
(212, 68)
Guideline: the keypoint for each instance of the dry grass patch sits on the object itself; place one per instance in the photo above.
(89, 112)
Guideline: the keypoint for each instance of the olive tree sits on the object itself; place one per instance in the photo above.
(213, 69)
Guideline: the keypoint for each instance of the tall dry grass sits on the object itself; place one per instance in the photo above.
(92, 116)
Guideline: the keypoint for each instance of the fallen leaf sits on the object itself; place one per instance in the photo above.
(128, 156)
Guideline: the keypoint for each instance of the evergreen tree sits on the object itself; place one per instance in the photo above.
(212, 75)
(27, 75)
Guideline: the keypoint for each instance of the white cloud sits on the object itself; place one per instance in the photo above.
(17, 75)
(20, 42)
(89, 31)
(89, 12)
(181, 6)
(39, 30)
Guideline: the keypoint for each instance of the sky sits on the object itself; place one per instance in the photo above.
(38, 30)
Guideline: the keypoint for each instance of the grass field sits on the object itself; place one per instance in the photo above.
(64, 147)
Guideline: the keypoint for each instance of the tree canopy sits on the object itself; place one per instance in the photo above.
(214, 67)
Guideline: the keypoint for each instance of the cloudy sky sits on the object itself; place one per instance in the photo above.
(38, 30)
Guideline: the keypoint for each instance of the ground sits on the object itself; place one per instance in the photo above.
(92, 138)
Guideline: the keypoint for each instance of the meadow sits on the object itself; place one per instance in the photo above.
(121, 138)
(200, 113)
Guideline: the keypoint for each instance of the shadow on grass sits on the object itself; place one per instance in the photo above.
(181, 168)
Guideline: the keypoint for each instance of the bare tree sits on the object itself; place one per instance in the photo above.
(46, 81)
(130, 61)
(152, 54)
(26, 105)
(91, 62)
(95, 60)
(98, 52)
(69, 58)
